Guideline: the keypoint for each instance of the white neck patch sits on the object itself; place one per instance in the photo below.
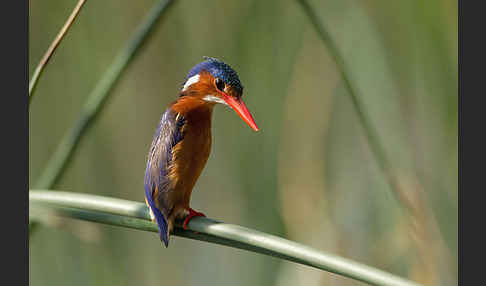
(215, 99)
(192, 80)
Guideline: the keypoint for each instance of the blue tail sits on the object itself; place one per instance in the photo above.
(160, 219)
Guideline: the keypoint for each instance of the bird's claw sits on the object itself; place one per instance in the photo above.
(192, 213)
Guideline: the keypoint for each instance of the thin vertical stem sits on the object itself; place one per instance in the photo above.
(50, 51)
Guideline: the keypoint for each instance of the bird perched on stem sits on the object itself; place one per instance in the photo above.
(182, 141)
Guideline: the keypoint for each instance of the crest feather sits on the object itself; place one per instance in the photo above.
(217, 68)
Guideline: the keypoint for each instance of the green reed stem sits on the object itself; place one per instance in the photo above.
(136, 215)
(370, 132)
(58, 162)
(66, 148)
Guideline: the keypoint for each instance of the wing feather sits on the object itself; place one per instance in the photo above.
(167, 135)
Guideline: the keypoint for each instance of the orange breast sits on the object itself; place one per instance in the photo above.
(190, 155)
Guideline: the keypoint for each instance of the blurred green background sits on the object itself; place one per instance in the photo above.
(308, 175)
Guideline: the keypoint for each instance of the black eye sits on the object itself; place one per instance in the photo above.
(219, 84)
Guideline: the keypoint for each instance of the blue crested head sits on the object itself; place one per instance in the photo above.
(217, 69)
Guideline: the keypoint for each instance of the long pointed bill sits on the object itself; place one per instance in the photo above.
(240, 108)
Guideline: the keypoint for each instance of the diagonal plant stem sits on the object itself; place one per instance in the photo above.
(135, 215)
(58, 162)
(413, 201)
(50, 51)
(372, 136)
(66, 148)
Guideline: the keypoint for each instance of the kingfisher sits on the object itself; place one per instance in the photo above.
(182, 141)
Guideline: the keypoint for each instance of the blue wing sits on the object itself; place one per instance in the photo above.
(168, 134)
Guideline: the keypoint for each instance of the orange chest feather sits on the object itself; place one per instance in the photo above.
(191, 153)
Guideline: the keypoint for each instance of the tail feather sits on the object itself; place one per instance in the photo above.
(161, 221)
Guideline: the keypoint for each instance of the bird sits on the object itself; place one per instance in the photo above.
(182, 142)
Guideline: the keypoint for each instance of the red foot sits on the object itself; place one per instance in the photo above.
(192, 213)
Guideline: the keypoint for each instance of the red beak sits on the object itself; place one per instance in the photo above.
(239, 106)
